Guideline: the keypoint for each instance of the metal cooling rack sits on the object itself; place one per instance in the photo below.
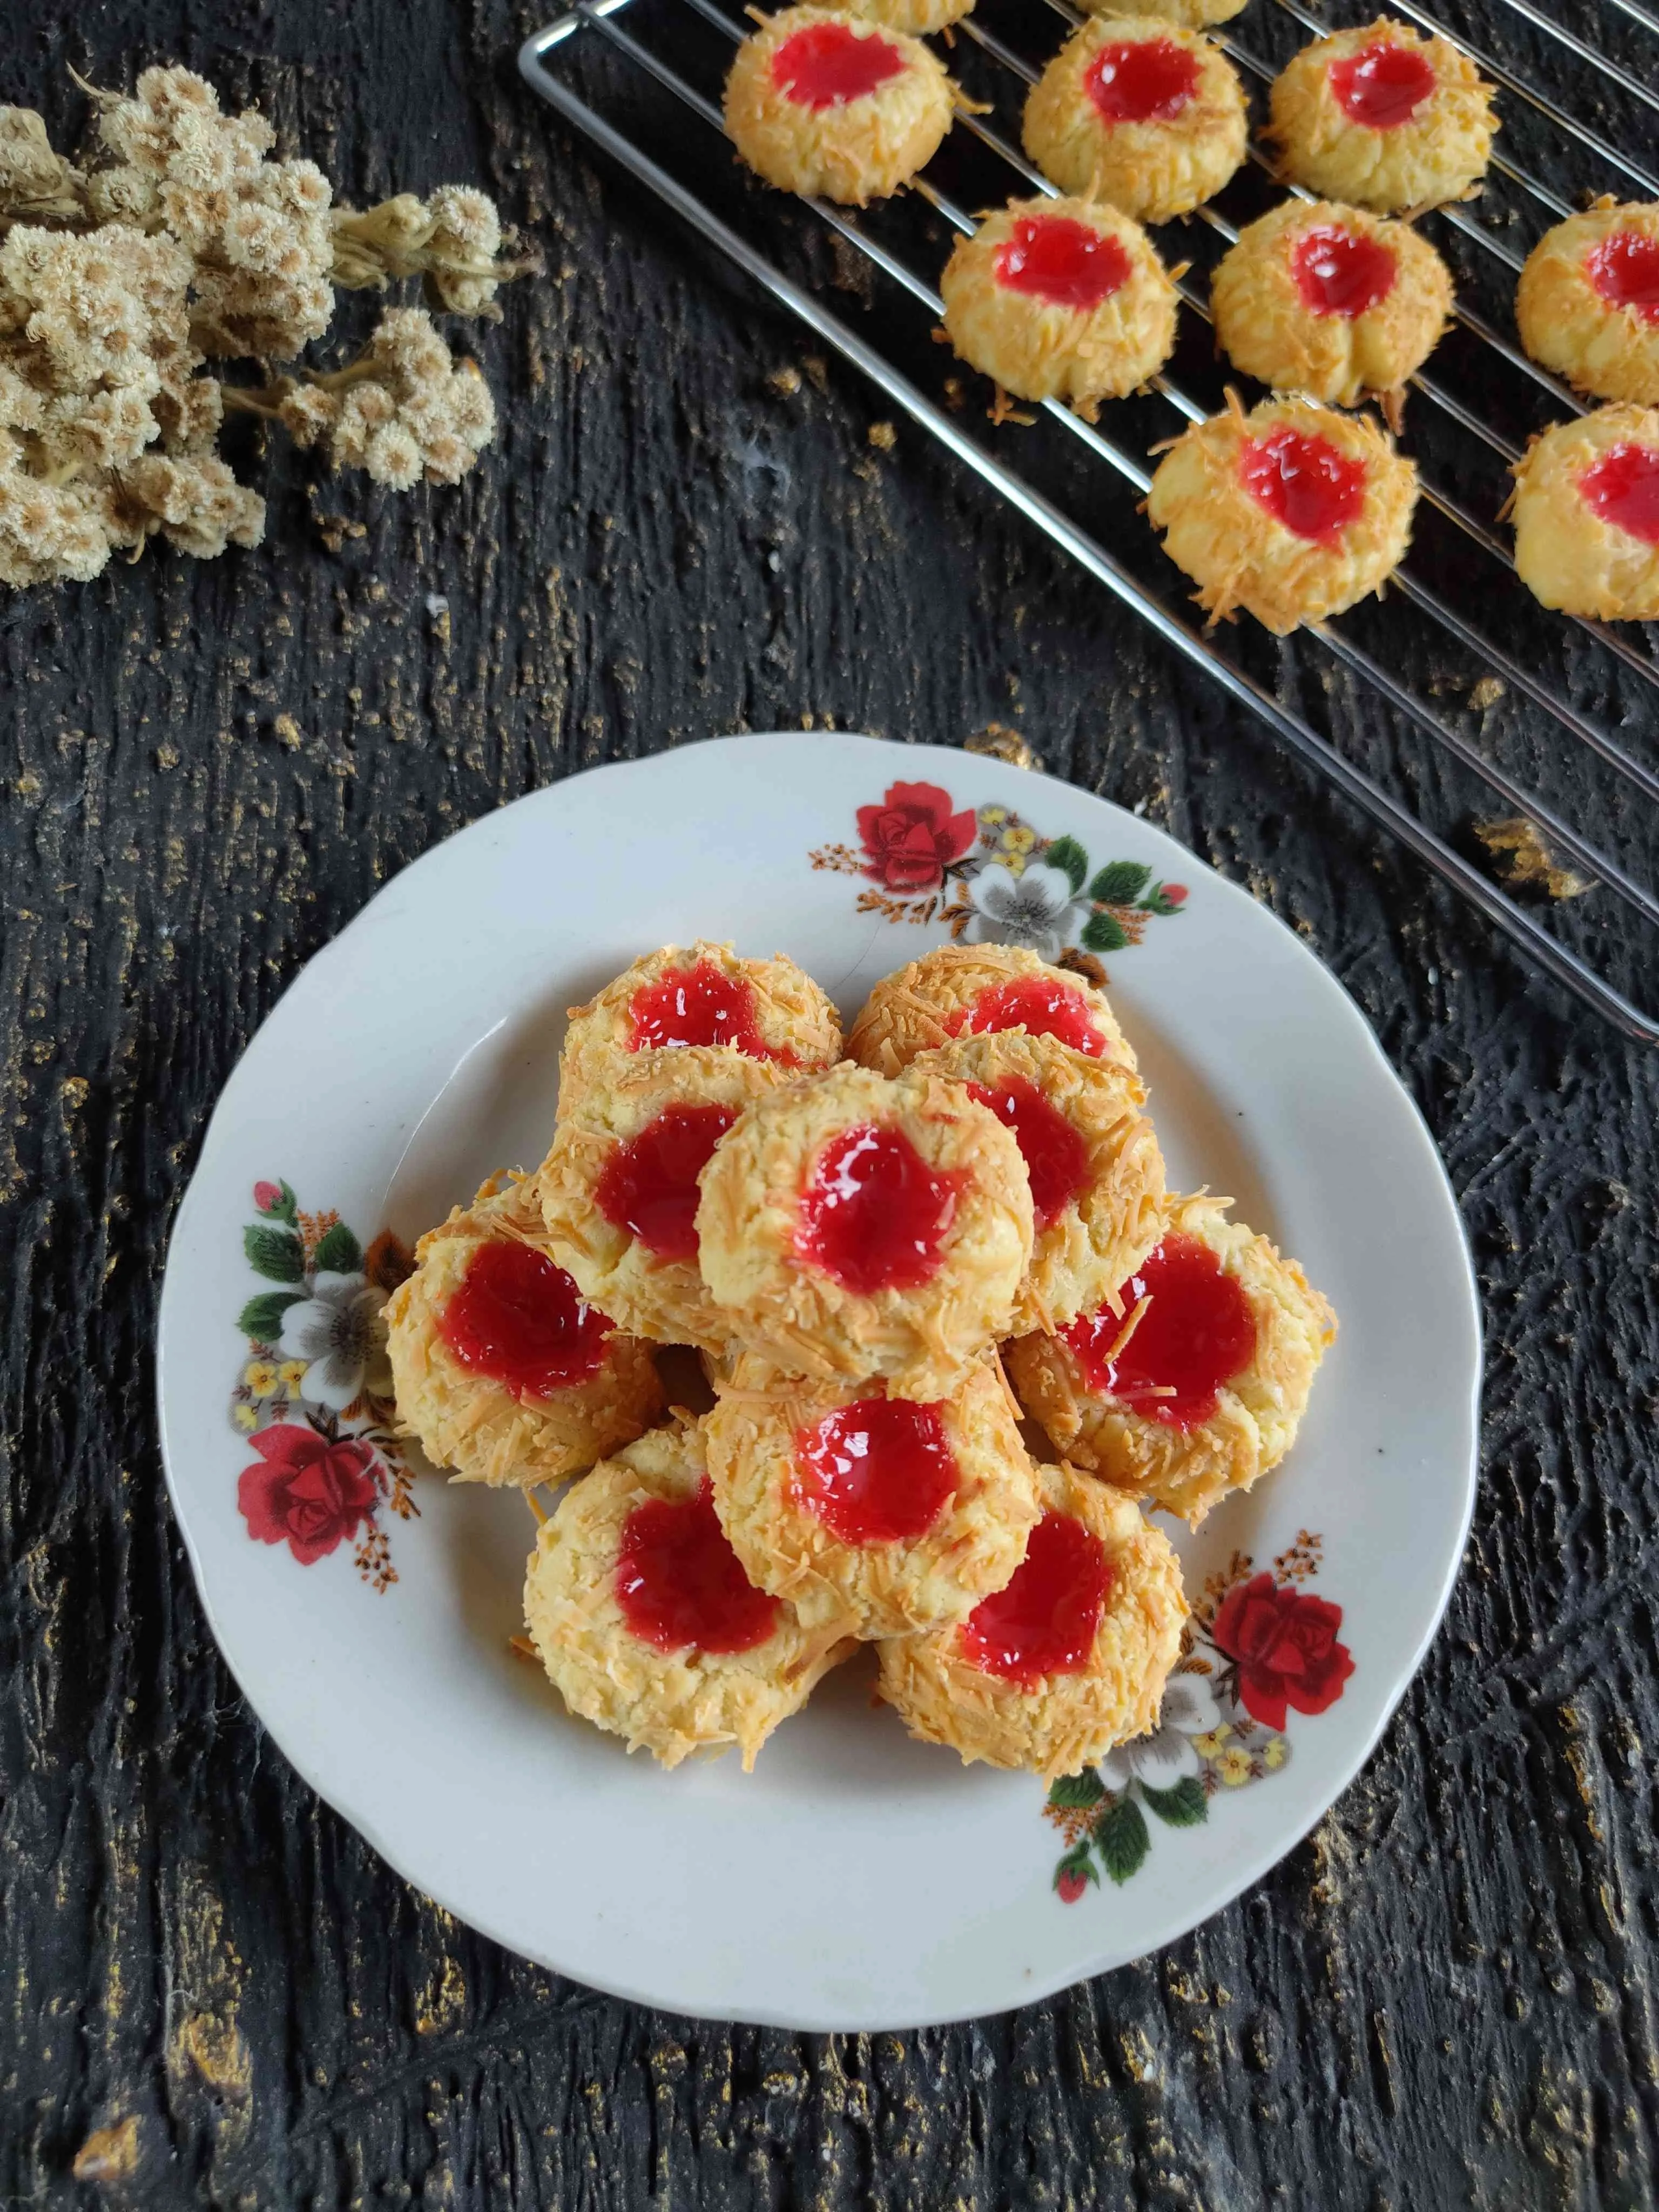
(665, 66)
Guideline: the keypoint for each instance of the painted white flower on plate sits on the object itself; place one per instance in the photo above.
(1034, 910)
(1166, 1756)
(338, 1333)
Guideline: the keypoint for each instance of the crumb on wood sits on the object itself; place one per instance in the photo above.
(288, 732)
(108, 2154)
(817, 372)
(1525, 860)
(785, 381)
(1002, 744)
(882, 435)
(1487, 693)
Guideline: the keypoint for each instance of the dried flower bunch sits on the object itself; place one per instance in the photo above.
(189, 245)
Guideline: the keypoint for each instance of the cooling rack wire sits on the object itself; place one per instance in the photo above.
(671, 42)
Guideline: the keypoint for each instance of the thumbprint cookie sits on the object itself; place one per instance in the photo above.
(1096, 1172)
(818, 102)
(1140, 113)
(852, 1228)
(1066, 1660)
(1588, 302)
(887, 1515)
(977, 990)
(1586, 513)
(700, 995)
(1330, 301)
(1198, 1386)
(501, 1372)
(1060, 299)
(619, 1187)
(1292, 511)
(646, 1625)
(920, 18)
(1191, 15)
(1383, 118)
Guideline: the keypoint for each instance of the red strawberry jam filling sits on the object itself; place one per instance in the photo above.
(1043, 1008)
(679, 1583)
(1196, 1335)
(1056, 1158)
(874, 1213)
(520, 1321)
(1341, 272)
(1623, 489)
(879, 1472)
(699, 1004)
(1044, 1622)
(649, 1186)
(827, 64)
(1141, 80)
(1057, 258)
(1383, 85)
(1304, 482)
(1624, 270)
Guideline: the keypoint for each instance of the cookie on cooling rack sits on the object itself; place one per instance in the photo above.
(701, 994)
(1330, 301)
(1095, 1171)
(1383, 117)
(887, 1515)
(1139, 111)
(819, 102)
(1198, 1387)
(1191, 15)
(501, 1372)
(1066, 1660)
(1060, 299)
(646, 1625)
(974, 990)
(1294, 511)
(851, 1228)
(1586, 513)
(1588, 302)
(619, 1186)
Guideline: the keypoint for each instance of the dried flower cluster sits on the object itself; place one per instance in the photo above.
(188, 244)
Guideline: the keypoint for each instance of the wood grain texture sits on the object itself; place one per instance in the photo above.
(213, 1991)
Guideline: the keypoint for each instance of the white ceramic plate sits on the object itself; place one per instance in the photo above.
(857, 1879)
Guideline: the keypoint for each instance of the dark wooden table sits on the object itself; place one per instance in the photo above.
(1445, 1997)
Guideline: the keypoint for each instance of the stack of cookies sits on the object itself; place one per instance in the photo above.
(869, 1253)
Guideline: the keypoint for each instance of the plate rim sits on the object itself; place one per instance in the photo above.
(1092, 1960)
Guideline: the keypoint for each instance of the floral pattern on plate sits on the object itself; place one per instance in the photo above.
(314, 1396)
(993, 880)
(1257, 1649)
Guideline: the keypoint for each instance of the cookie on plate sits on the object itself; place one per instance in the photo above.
(1586, 513)
(1139, 111)
(1060, 299)
(1383, 117)
(1095, 1171)
(1330, 301)
(1199, 1387)
(701, 994)
(885, 1513)
(646, 1625)
(853, 1228)
(501, 1372)
(976, 990)
(1588, 302)
(1294, 511)
(619, 1189)
(819, 102)
(1069, 1659)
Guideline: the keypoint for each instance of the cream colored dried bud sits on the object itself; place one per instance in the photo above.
(308, 413)
(465, 224)
(89, 301)
(197, 504)
(35, 184)
(406, 349)
(21, 406)
(105, 431)
(52, 531)
(189, 411)
(125, 195)
(393, 457)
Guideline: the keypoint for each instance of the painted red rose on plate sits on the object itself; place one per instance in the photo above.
(1286, 1647)
(913, 836)
(306, 1492)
